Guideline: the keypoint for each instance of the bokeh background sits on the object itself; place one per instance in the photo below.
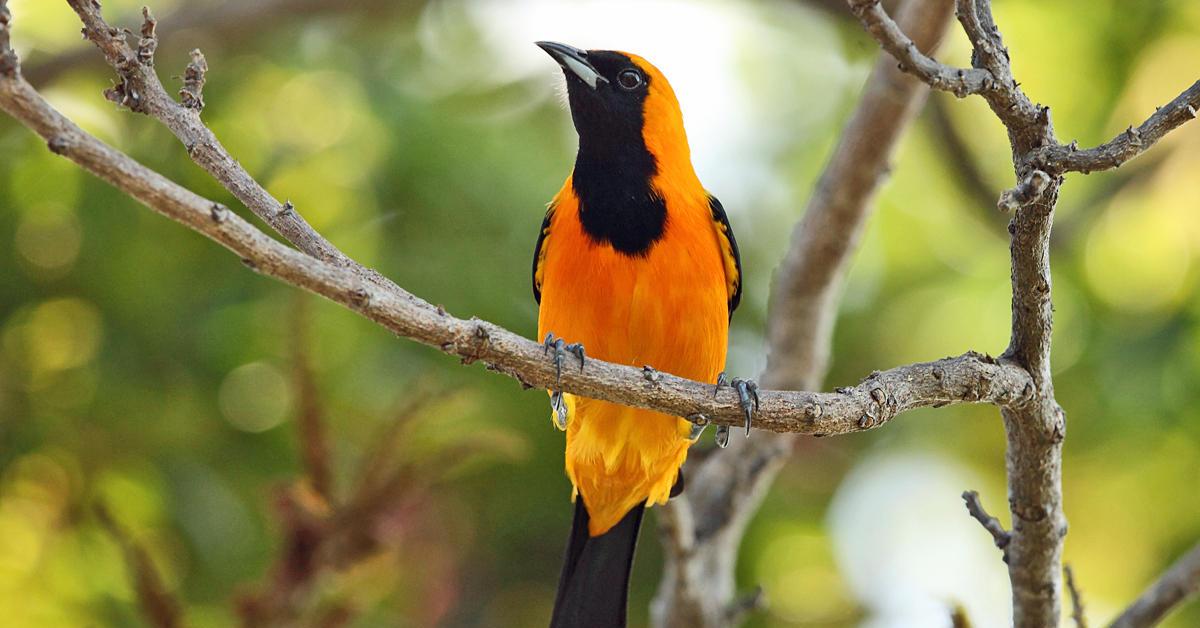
(143, 367)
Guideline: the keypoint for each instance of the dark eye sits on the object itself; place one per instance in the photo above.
(630, 79)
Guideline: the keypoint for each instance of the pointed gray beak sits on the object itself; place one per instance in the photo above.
(575, 61)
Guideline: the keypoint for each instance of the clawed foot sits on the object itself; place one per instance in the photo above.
(561, 349)
(699, 422)
(747, 390)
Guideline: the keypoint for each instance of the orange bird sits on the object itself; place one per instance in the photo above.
(637, 262)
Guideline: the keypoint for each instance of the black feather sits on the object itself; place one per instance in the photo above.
(593, 589)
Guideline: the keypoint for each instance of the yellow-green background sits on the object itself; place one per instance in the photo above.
(143, 366)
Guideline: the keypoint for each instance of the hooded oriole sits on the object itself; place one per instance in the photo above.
(637, 262)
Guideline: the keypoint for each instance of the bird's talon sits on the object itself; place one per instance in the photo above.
(577, 349)
(747, 391)
(561, 349)
(722, 380)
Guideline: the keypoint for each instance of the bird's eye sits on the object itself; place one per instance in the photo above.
(630, 79)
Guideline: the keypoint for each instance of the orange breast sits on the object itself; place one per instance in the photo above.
(667, 309)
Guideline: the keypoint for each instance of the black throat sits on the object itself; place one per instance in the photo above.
(617, 204)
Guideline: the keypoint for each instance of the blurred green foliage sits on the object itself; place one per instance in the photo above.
(143, 366)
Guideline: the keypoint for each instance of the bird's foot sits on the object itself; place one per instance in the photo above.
(747, 390)
(561, 348)
(699, 422)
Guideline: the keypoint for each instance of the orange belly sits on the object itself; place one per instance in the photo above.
(667, 309)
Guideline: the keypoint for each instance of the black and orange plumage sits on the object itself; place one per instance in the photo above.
(638, 263)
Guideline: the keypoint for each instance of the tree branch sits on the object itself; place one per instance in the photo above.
(1035, 430)
(141, 91)
(959, 81)
(1180, 582)
(999, 535)
(1129, 144)
(698, 586)
(973, 377)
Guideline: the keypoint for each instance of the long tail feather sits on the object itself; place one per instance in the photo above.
(593, 589)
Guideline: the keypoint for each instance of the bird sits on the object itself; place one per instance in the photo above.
(636, 263)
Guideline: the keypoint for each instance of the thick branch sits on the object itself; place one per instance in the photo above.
(1035, 430)
(1180, 582)
(968, 378)
(704, 526)
(1129, 144)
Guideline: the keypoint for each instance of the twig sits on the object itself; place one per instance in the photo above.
(139, 89)
(999, 535)
(503, 351)
(1179, 583)
(1077, 609)
(959, 81)
(1128, 144)
(160, 608)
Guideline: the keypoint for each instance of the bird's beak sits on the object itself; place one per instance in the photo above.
(575, 61)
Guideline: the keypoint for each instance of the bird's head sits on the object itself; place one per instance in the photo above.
(618, 99)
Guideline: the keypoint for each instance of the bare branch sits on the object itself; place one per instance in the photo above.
(973, 376)
(999, 535)
(1178, 584)
(158, 605)
(1077, 609)
(194, 76)
(959, 81)
(141, 91)
(1129, 144)
(1034, 431)
(724, 491)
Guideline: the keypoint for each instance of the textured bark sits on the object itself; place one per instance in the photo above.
(702, 529)
(1035, 430)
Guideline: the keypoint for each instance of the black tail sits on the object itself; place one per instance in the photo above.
(594, 586)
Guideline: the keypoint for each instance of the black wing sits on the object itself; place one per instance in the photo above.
(539, 255)
(729, 253)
